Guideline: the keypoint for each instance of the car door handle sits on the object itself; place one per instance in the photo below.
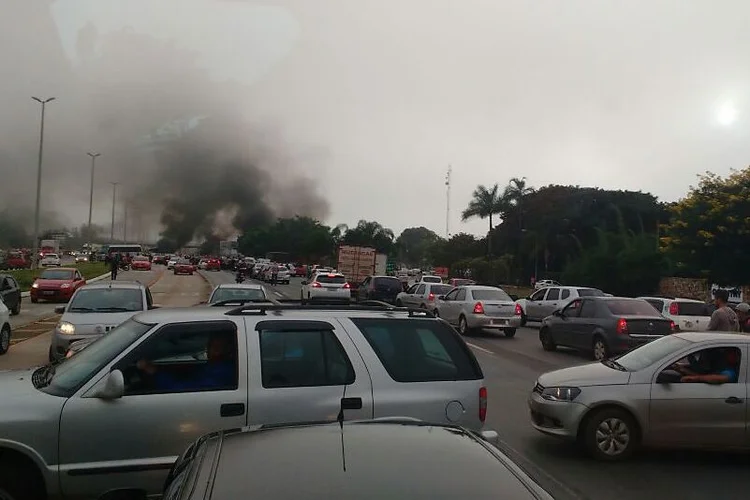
(232, 409)
(733, 401)
(351, 403)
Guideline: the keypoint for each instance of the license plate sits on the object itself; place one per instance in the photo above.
(48, 292)
(330, 289)
(500, 322)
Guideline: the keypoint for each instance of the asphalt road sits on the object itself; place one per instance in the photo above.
(511, 367)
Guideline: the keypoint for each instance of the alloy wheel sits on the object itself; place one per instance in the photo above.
(612, 436)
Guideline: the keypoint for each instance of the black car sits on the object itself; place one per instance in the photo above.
(11, 293)
(604, 326)
(382, 288)
(388, 458)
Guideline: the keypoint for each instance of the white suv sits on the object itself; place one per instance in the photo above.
(689, 315)
(51, 259)
(326, 286)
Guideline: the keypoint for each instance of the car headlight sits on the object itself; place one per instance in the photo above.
(35, 285)
(66, 328)
(560, 393)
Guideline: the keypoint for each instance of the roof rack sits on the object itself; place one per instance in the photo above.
(296, 305)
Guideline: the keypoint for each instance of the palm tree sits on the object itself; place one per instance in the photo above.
(485, 203)
(515, 192)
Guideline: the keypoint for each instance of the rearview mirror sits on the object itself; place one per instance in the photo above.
(59, 309)
(113, 387)
(668, 377)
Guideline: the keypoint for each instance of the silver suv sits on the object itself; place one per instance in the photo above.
(94, 310)
(118, 414)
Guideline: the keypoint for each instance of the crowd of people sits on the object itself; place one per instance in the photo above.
(726, 319)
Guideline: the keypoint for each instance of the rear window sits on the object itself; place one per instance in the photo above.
(693, 309)
(432, 279)
(330, 278)
(490, 295)
(590, 292)
(417, 350)
(630, 308)
(440, 289)
(140, 258)
(389, 283)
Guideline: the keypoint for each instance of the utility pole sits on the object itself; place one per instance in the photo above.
(91, 192)
(114, 197)
(448, 202)
(35, 257)
(125, 224)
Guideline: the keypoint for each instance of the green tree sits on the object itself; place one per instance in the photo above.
(413, 245)
(709, 230)
(461, 246)
(370, 234)
(303, 238)
(485, 204)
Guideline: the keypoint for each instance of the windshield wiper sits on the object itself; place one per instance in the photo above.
(611, 363)
(82, 309)
(112, 309)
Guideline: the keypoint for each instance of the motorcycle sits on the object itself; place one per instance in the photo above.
(240, 278)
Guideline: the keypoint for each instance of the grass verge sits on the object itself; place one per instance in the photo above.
(25, 277)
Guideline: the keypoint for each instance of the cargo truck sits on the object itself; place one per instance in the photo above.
(356, 263)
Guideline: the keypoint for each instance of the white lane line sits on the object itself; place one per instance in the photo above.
(480, 348)
(278, 293)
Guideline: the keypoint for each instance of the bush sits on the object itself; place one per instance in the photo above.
(25, 277)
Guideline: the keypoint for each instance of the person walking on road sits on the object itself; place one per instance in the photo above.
(114, 265)
(743, 315)
(723, 318)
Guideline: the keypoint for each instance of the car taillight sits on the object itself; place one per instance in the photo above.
(622, 326)
(519, 311)
(431, 297)
(478, 308)
(673, 326)
(347, 285)
(316, 285)
(482, 404)
(674, 308)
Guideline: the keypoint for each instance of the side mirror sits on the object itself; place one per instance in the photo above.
(59, 309)
(113, 387)
(558, 313)
(490, 436)
(668, 377)
(304, 283)
(441, 297)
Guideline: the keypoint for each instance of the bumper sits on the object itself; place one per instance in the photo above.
(490, 322)
(60, 343)
(141, 268)
(555, 418)
(343, 295)
(59, 294)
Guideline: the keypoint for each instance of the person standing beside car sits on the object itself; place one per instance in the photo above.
(743, 316)
(723, 319)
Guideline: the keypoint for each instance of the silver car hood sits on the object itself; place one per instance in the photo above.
(584, 375)
(16, 386)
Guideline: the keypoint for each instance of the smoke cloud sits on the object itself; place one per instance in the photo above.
(190, 160)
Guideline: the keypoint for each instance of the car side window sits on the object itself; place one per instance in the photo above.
(303, 359)
(452, 295)
(184, 357)
(149, 299)
(6, 284)
(699, 366)
(565, 293)
(658, 304)
(461, 295)
(420, 290)
(78, 275)
(573, 309)
(588, 309)
(412, 289)
(553, 294)
(538, 295)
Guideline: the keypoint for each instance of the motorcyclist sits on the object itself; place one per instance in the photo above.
(240, 275)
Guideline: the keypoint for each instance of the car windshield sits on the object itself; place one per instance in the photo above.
(57, 274)
(183, 262)
(107, 299)
(490, 295)
(51, 255)
(140, 258)
(590, 292)
(432, 279)
(648, 354)
(633, 307)
(337, 279)
(69, 376)
(230, 293)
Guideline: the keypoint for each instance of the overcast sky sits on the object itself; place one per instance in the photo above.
(639, 95)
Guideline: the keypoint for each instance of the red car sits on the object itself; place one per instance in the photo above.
(140, 263)
(17, 260)
(183, 266)
(56, 284)
(213, 265)
(300, 270)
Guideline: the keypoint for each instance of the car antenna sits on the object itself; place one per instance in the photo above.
(340, 420)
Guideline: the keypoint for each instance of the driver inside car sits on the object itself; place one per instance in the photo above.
(724, 367)
(219, 371)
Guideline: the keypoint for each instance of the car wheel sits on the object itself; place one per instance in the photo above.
(16, 310)
(610, 434)
(34, 301)
(463, 326)
(599, 349)
(4, 340)
(523, 318)
(510, 332)
(546, 339)
(18, 482)
(422, 306)
(399, 303)
(436, 313)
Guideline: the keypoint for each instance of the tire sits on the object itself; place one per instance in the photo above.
(422, 306)
(436, 313)
(4, 341)
(510, 332)
(34, 301)
(599, 349)
(610, 434)
(523, 318)
(546, 339)
(399, 303)
(463, 327)
(16, 310)
(17, 482)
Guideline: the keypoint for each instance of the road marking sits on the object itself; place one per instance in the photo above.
(278, 293)
(480, 348)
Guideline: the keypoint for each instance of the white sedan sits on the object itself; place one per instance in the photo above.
(326, 287)
(51, 259)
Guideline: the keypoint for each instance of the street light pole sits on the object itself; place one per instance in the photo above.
(35, 258)
(114, 198)
(125, 225)
(91, 192)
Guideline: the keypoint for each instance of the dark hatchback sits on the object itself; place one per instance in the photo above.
(382, 288)
(604, 326)
(11, 293)
(387, 458)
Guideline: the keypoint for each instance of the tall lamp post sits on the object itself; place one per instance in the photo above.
(93, 156)
(35, 257)
(114, 198)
